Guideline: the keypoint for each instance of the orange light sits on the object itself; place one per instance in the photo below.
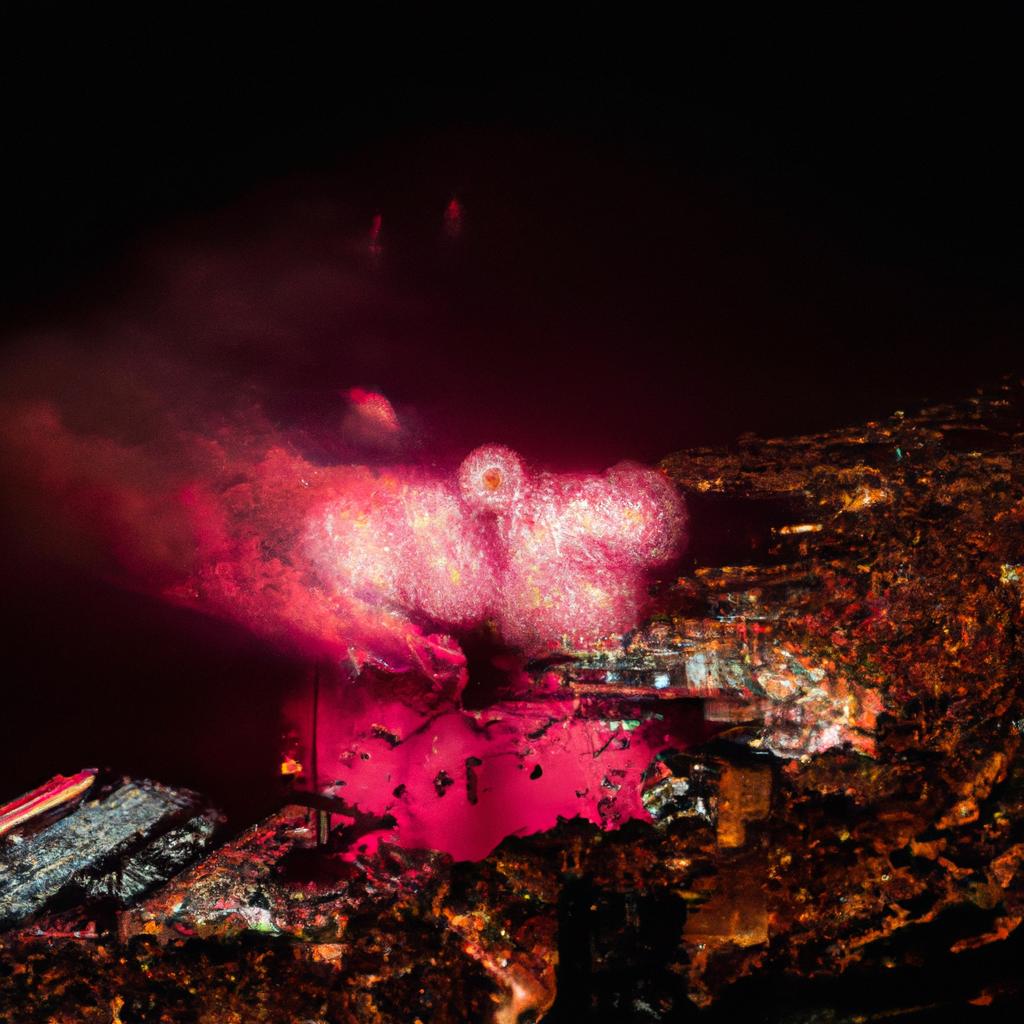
(289, 766)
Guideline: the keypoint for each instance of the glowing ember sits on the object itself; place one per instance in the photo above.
(59, 790)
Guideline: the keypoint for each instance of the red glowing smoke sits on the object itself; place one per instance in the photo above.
(549, 559)
(357, 562)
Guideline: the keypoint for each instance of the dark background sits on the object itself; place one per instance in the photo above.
(654, 255)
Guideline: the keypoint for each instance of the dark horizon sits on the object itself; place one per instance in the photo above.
(825, 246)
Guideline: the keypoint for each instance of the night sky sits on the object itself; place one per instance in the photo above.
(647, 260)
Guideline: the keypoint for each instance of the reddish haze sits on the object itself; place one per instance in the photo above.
(349, 561)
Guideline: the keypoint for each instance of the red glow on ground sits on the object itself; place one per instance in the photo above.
(461, 781)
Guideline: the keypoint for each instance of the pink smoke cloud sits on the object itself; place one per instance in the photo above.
(550, 559)
(352, 561)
